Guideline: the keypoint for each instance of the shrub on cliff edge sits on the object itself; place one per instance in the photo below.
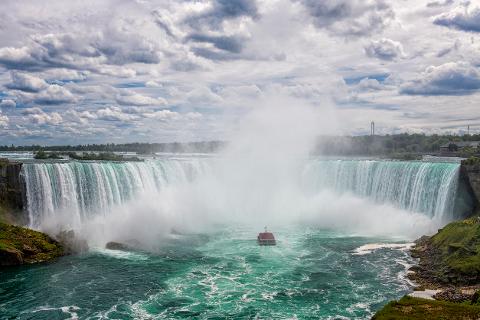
(21, 245)
(409, 308)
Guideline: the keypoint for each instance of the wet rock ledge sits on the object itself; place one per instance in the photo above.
(20, 245)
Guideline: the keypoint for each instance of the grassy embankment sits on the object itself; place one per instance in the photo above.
(449, 260)
(458, 246)
(409, 308)
(20, 245)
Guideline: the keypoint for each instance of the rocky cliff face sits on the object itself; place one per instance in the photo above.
(471, 174)
(12, 191)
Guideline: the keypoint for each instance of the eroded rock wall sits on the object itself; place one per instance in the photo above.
(471, 175)
(12, 192)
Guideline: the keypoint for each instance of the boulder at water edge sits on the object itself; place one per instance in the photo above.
(20, 245)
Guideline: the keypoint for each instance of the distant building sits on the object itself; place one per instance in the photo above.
(456, 146)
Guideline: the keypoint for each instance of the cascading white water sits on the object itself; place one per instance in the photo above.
(69, 193)
(426, 187)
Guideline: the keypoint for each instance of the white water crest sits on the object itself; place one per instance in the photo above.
(426, 187)
(67, 194)
(371, 247)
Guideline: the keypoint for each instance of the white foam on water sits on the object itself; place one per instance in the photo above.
(371, 247)
(139, 311)
(359, 305)
(120, 254)
(70, 310)
(425, 294)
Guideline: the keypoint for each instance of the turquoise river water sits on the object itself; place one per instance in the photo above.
(310, 274)
(343, 229)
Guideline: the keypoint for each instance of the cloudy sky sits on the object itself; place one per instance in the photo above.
(156, 71)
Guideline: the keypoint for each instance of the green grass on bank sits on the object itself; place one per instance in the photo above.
(409, 308)
(33, 246)
(471, 161)
(453, 257)
(459, 246)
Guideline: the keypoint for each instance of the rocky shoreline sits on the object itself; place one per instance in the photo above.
(447, 276)
(450, 258)
(20, 245)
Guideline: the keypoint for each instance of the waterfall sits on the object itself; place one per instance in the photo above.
(426, 187)
(79, 189)
(73, 191)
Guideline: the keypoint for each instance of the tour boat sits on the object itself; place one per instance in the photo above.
(266, 238)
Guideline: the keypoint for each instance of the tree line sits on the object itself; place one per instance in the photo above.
(391, 145)
(397, 145)
(140, 148)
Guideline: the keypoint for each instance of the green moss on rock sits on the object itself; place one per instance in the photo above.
(409, 308)
(459, 246)
(449, 260)
(450, 257)
(21, 245)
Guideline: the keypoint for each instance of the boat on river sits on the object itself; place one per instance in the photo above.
(266, 238)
